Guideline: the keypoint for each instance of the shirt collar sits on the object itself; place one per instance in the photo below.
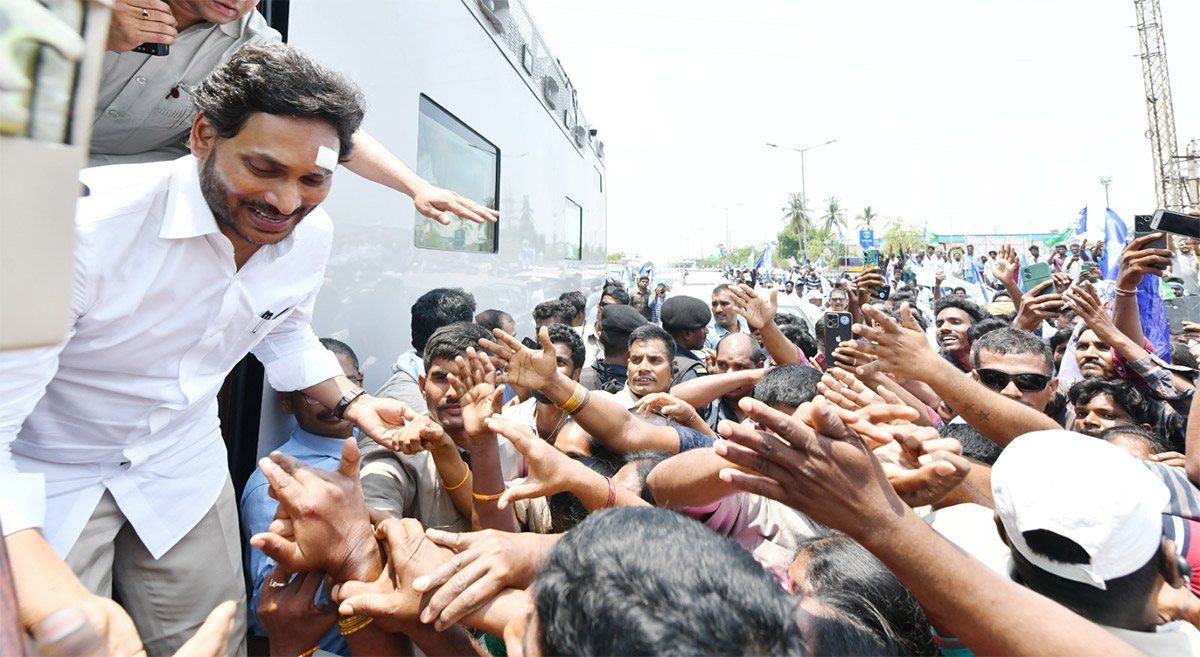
(236, 28)
(329, 447)
(187, 213)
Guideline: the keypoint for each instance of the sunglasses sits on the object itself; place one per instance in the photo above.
(997, 380)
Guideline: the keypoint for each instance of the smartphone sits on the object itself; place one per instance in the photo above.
(871, 258)
(1177, 223)
(156, 49)
(1036, 274)
(1143, 224)
(837, 331)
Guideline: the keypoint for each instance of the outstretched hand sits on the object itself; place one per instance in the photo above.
(922, 466)
(899, 349)
(322, 522)
(550, 471)
(1005, 264)
(758, 308)
(435, 202)
(380, 418)
(474, 381)
(522, 366)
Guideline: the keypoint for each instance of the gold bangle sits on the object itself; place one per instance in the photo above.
(310, 651)
(459, 484)
(487, 498)
(575, 401)
(352, 624)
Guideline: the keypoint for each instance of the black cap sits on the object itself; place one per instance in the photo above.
(621, 318)
(682, 313)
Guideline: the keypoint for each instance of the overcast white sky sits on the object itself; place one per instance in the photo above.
(987, 115)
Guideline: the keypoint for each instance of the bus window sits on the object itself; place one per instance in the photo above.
(850, 264)
(452, 155)
(573, 236)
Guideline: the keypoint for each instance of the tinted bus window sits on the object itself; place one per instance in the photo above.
(452, 155)
(573, 239)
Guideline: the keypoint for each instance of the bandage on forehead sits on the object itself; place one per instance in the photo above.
(327, 158)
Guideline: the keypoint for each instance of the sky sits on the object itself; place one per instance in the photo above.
(982, 116)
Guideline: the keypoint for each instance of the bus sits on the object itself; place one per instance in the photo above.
(468, 93)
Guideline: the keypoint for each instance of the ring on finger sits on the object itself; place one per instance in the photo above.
(145, 14)
(276, 584)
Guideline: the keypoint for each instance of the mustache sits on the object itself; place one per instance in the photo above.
(271, 210)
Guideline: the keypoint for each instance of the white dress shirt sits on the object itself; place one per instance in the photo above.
(160, 315)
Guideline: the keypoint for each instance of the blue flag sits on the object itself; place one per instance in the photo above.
(763, 257)
(1081, 221)
(973, 275)
(1116, 236)
(1153, 315)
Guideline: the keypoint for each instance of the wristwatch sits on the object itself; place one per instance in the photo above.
(340, 410)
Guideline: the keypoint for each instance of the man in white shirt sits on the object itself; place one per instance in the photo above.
(110, 447)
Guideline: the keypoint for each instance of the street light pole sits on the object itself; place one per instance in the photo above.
(1105, 180)
(727, 208)
(803, 189)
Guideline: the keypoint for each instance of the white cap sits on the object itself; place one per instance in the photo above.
(1083, 489)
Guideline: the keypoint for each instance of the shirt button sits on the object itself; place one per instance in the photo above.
(141, 80)
(113, 112)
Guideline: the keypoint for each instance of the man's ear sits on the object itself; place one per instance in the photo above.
(285, 401)
(203, 136)
(576, 373)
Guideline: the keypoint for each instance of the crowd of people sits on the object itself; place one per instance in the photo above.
(648, 473)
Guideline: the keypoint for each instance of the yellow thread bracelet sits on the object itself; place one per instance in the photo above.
(459, 484)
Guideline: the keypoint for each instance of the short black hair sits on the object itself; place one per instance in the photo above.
(983, 327)
(451, 341)
(974, 444)
(493, 319)
(576, 300)
(567, 510)
(654, 332)
(1126, 394)
(560, 311)
(646, 460)
(342, 349)
(798, 335)
(787, 385)
(1012, 340)
(561, 334)
(1059, 338)
(617, 585)
(437, 308)
(1155, 441)
(617, 292)
(280, 80)
(969, 307)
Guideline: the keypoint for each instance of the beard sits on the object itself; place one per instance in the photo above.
(542, 398)
(216, 194)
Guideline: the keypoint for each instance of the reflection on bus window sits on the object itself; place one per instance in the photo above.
(452, 155)
(573, 240)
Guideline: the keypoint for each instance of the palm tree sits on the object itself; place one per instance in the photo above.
(865, 218)
(795, 215)
(835, 216)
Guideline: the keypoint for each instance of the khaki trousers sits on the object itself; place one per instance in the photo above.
(168, 598)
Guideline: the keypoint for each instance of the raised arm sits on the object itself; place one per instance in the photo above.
(705, 389)
(1136, 263)
(759, 308)
(825, 471)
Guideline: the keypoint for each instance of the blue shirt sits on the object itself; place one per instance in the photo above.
(258, 510)
(716, 332)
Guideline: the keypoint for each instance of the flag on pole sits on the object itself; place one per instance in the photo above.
(1153, 315)
(763, 258)
(974, 276)
(1116, 236)
(1081, 222)
(1061, 237)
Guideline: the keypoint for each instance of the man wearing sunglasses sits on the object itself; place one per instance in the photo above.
(1018, 365)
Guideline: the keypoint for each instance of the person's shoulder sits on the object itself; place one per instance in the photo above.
(122, 191)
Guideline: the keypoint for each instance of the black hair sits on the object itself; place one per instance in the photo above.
(1182, 356)
(560, 311)
(437, 308)
(283, 81)
(1155, 441)
(1124, 393)
(974, 444)
(894, 313)
(576, 300)
(838, 626)
(798, 335)
(648, 581)
(983, 327)
(654, 332)
(566, 510)
(787, 385)
(973, 311)
(646, 460)
(342, 349)
(618, 293)
(1059, 338)
(839, 564)
(1011, 340)
(493, 319)
(560, 334)
(451, 341)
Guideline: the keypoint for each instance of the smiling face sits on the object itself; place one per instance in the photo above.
(952, 325)
(264, 180)
(1019, 363)
(649, 367)
(1094, 356)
